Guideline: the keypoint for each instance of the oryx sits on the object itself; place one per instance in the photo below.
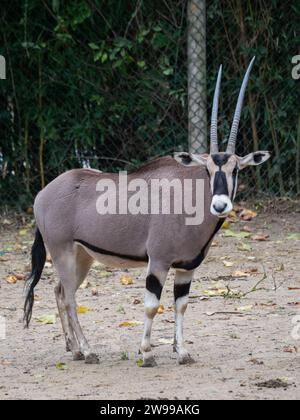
(76, 235)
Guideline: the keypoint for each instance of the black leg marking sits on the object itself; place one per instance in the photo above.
(153, 285)
(181, 290)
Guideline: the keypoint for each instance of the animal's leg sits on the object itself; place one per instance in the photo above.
(182, 285)
(71, 341)
(73, 266)
(156, 277)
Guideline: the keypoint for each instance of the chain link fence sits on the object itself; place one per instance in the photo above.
(112, 84)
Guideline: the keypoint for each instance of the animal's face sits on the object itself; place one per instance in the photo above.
(223, 170)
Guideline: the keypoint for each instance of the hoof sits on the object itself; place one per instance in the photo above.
(185, 359)
(149, 362)
(78, 356)
(92, 359)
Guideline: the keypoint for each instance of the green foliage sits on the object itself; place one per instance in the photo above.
(104, 82)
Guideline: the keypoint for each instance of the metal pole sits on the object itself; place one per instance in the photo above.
(197, 76)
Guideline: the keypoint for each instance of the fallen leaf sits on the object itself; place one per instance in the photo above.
(226, 225)
(240, 273)
(6, 222)
(23, 232)
(126, 280)
(61, 366)
(260, 238)
(165, 341)
(239, 235)
(161, 309)
(212, 293)
(85, 284)
(11, 279)
(82, 309)
(290, 349)
(246, 229)
(244, 247)
(228, 263)
(130, 324)
(139, 362)
(280, 268)
(294, 237)
(248, 215)
(245, 308)
(47, 319)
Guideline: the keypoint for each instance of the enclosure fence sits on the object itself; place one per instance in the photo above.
(113, 84)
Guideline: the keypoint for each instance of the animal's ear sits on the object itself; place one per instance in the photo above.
(254, 159)
(189, 159)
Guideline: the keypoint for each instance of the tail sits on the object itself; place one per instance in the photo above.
(38, 259)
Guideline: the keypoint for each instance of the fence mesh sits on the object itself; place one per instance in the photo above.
(105, 84)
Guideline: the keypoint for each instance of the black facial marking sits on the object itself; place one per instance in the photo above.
(181, 290)
(191, 265)
(234, 181)
(185, 158)
(112, 254)
(258, 157)
(220, 184)
(153, 285)
(220, 160)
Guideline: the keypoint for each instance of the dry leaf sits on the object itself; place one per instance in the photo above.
(226, 225)
(246, 229)
(11, 279)
(85, 284)
(165, 341)
(82, 309)
(240, 273)
(161, 309)
(248, 215)
(244, 247)
(139, 362)
(47, 319)
(61, 366)
(260, 238)
(130, 324)
(290, 349)
(245, 308)
(228, 263)
(126, 280)
(294, 237)
(239, 235)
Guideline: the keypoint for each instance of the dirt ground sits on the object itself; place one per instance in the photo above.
(242, 342)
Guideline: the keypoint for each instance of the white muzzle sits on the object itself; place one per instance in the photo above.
(221, 205)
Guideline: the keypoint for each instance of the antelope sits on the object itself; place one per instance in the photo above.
(76, 235)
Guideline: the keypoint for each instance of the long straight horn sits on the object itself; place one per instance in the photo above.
(214, 147)
(238, 110)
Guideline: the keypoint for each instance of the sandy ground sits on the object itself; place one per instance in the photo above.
(244, 347)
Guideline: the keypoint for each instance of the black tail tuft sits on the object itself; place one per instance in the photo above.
(38, 259)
